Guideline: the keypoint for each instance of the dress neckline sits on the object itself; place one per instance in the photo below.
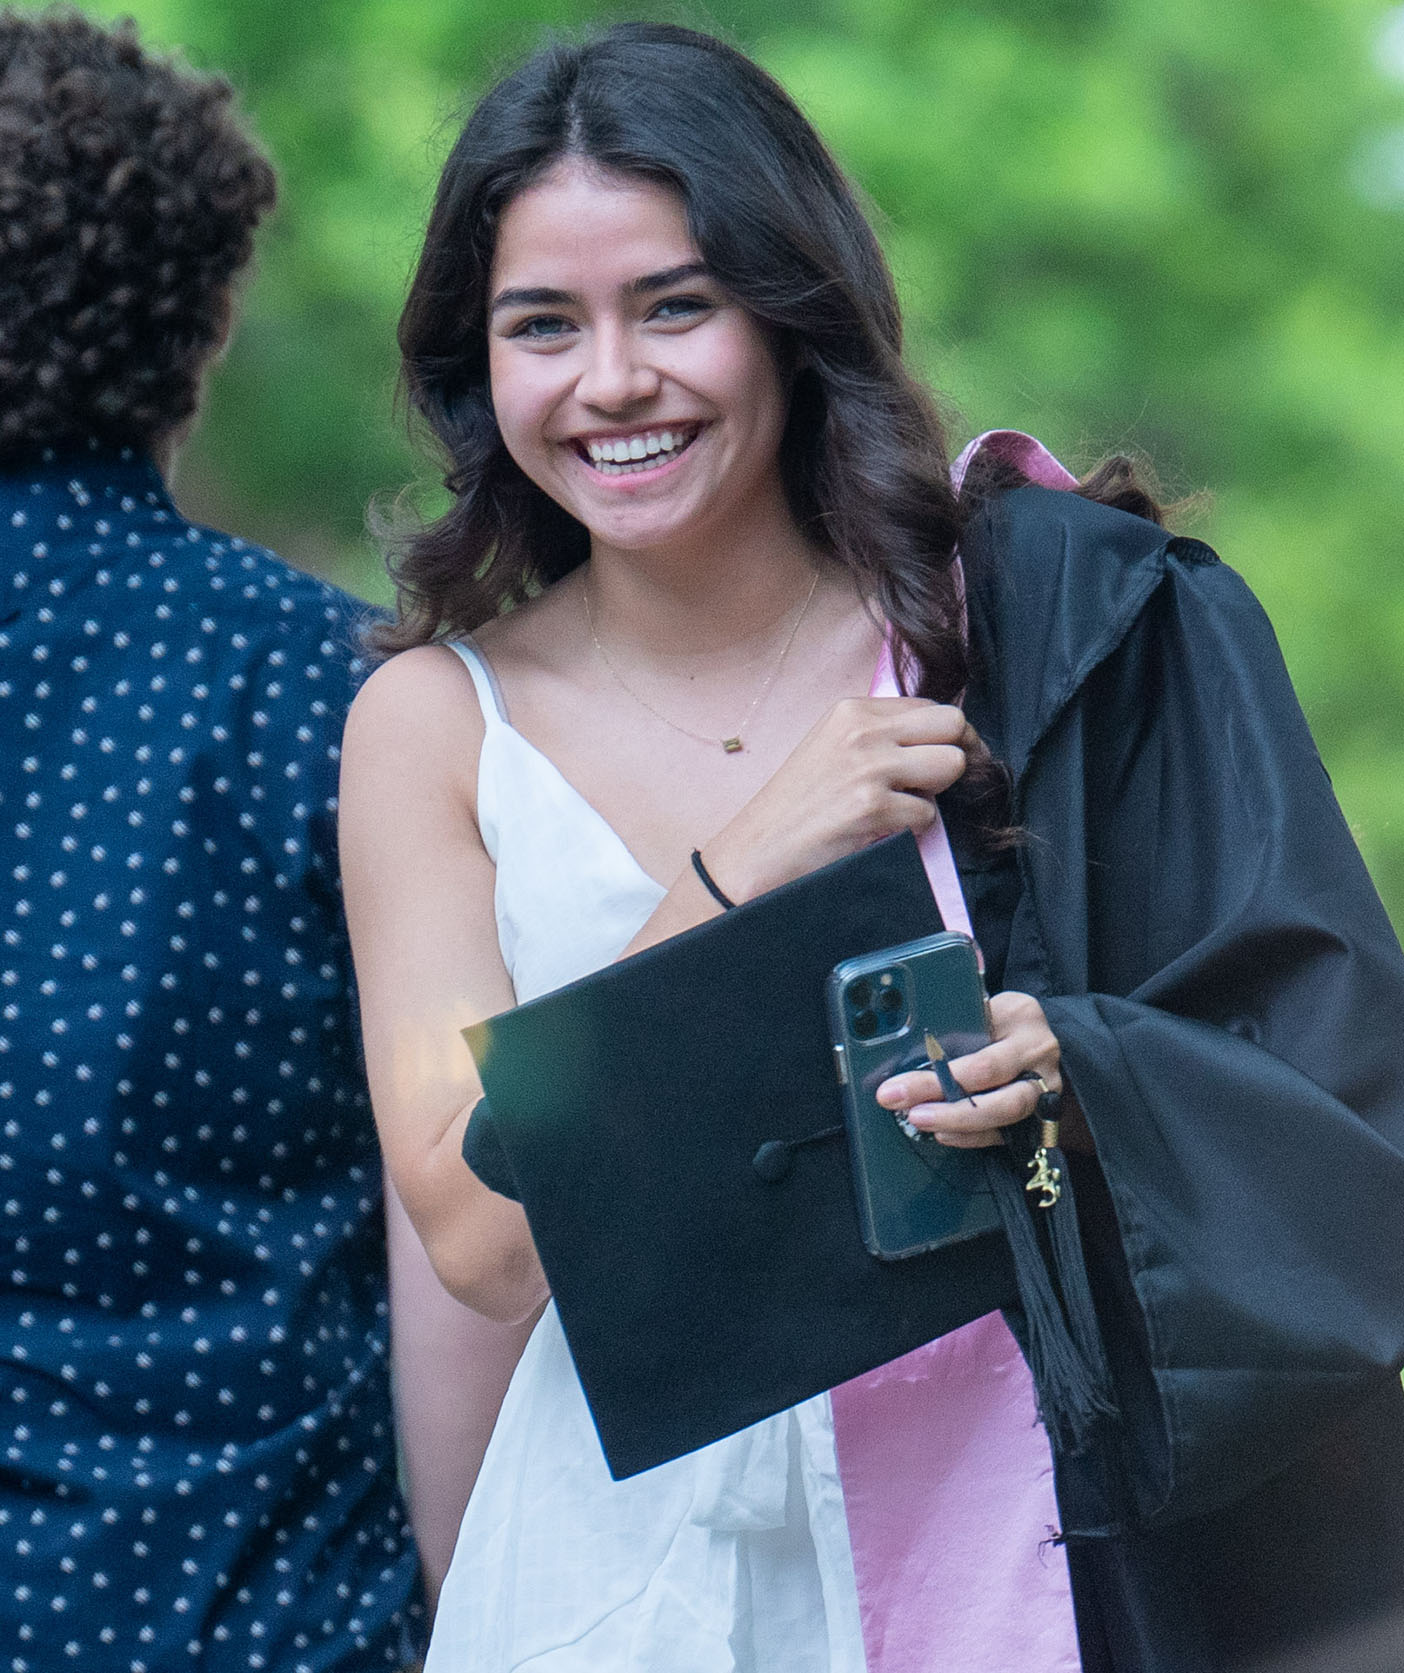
(883, 675)
(504, 722)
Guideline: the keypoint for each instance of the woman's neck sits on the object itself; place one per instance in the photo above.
(712, 595)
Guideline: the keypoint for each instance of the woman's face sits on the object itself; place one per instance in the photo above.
(626, 383)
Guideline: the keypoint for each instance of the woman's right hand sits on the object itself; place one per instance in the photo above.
(872, 767)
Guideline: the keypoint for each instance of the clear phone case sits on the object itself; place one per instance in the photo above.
(914, 1193)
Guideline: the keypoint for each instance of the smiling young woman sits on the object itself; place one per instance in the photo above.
(700, 512)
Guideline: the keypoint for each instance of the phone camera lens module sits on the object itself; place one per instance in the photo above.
(878, 1004)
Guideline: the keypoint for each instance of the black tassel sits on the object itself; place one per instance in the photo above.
(1066, 1358)
(1071, 1267)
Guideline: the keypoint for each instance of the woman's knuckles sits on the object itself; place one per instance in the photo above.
(869, 805)
(887, 811)
(854, 724)
(1013, 1008)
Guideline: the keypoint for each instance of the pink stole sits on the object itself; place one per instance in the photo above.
(946, 1473)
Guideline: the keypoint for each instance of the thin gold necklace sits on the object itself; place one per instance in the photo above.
(733, 744)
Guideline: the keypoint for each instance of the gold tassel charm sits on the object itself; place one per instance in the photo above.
(1045, 1179)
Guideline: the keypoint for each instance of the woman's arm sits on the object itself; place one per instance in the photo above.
(419, 904)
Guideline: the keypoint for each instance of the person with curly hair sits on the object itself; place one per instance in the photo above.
(195, 1410)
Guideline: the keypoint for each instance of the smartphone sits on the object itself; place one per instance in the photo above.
(897, 1009)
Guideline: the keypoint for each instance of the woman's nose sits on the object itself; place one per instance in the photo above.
(617, 372)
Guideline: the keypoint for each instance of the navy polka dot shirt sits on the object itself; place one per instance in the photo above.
(196, 1455)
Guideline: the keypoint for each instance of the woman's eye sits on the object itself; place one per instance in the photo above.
(541, 328)
(681, 308)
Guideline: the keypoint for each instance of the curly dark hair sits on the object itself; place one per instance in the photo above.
(129, 194)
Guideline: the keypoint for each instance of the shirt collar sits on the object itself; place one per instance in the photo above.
(65, 504)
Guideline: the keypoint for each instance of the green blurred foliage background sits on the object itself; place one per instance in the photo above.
(1114, 222)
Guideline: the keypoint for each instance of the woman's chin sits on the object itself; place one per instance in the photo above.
(638, 535)
(640, 524)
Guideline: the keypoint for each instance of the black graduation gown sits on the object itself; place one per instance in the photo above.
(1229, 996)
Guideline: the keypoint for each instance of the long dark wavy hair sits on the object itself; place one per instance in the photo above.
(863, 457)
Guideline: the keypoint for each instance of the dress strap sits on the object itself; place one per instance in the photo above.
(484, 680)
(495, 725)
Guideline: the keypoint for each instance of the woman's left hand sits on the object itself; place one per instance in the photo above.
(1022, 1043)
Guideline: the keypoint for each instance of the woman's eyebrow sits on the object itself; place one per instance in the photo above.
(667, 276)
(537, 296)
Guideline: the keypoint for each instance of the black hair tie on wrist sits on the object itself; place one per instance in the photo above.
(708, 882)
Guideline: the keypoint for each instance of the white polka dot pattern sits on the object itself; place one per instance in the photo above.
(197, 1461)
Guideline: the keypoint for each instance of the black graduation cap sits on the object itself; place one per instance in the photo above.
(673, 1126)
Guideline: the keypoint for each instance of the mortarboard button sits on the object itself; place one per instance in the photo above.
(772, 1161)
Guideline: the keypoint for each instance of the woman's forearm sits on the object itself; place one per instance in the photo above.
(479, 1243)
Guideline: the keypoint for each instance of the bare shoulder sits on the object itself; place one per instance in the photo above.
(418, 705)
(429, 680)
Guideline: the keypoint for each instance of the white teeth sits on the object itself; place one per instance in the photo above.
(626, 454)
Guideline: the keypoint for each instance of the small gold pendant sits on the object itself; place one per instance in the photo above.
(732, 745)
